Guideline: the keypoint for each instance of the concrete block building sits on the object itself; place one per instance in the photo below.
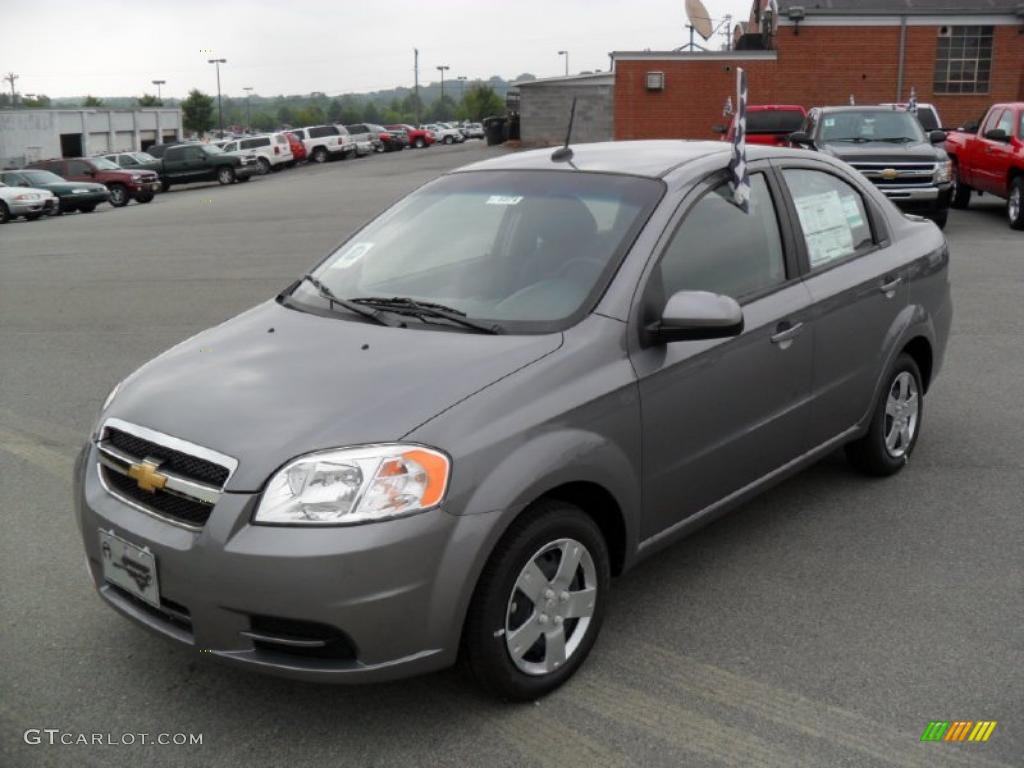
(38, 134)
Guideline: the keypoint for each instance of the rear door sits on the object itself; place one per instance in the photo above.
(719, 415)
(857, 279)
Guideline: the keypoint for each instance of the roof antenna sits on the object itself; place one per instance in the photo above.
(564, 153)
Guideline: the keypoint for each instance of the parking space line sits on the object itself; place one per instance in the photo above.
(787, 710)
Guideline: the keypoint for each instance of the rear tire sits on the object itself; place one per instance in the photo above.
(119, 195)
(5, 213)
(961, 194)
(1015, 204)
(559, 624)
(449, 140)
(420, 143)
(895, 424)
(264, 166)
(226, 176)
(319, 155)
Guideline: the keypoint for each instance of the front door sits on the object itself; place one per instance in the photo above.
(718, 415)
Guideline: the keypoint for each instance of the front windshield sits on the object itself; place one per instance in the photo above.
(41, 177)
(211, 150)
(525, 249)
(103, 164)
(893, 126)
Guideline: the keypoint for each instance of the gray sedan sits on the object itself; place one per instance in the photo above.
(513, 385)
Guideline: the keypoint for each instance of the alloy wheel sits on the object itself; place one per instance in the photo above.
(1013, 205)
(551, 606)
(902, 412)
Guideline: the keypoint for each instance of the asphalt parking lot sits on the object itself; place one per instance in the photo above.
(824, 624)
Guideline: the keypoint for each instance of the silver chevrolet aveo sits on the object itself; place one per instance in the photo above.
(511, 386)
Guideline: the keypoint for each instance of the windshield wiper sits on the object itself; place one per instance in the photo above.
(358, 309)
(897, 139)
(853, 139)
(403, 305)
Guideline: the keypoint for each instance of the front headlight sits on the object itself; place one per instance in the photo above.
(28, 196)
(943, 172)
(111, 396)
(355, 485)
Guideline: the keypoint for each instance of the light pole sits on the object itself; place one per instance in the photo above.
(10, 77)
(462, 87)
(566, 54)
(442, 69)
(248, 106)
(220, 110)
(158, 83)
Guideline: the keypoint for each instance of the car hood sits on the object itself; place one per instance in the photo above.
(9, 191)
(65, 187)
(274, 383)
(885, 152)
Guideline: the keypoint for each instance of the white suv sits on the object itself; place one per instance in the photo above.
(271, 151)
(444, 134)
(323, 142)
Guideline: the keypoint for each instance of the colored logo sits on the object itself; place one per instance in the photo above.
(146, 476)
(958, 730)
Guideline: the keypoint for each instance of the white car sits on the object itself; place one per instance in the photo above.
(26, 201)
(444, 134)
(272, 151)
(473, 131)
(927, 115)
(324, 142)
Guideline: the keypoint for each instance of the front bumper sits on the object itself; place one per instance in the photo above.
(395, 591)
(144, 189)
(29, 207)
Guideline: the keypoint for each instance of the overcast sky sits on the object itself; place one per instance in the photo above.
(116, 47)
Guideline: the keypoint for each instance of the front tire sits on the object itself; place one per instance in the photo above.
(940, 218)
(118, 195)
(449, 140)
(1015, 204)
(539, 603)
(32, 216)
(226, 176)
(895, 424)
(5, 213)
(960, 198)
(319, 155)
(420, 143)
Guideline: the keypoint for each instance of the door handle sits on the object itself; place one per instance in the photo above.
(785, 332)
(889, 287)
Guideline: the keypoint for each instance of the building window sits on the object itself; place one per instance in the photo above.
(963, 60)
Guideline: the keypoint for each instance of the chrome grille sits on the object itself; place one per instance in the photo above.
(191, 478)
(920, 174)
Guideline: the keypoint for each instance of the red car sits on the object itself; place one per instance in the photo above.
(768, 124)
(418, 137)
(297, 147)
(991, 159)
(122, 183)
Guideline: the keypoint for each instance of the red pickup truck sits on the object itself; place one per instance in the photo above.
(991, 160)
(768, 124)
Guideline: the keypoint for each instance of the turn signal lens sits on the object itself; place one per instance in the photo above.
(355, 485)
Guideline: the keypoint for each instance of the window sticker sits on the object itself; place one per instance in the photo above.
(352, 254)
(826, 227)
(852, 210)
(830, 122)
(504, 199)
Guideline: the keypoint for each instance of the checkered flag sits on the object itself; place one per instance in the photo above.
(912, 104)
(738, 164)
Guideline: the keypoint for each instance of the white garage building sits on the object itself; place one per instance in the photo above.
(40, 134)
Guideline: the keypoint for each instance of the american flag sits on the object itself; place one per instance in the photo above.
(738, 164)
(912, 104)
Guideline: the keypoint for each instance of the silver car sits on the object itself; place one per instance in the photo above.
(513, 385)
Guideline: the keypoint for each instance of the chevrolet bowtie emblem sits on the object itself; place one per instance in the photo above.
(146, 475)
(889, 174)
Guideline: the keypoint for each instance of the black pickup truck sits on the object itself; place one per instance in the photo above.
(889, 147)
(193, 162)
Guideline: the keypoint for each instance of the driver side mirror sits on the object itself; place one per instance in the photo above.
(937, 137)
(697, 315)
(801, 138)
(997, 134)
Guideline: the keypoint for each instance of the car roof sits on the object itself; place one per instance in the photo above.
(653, 158)
(858, 108)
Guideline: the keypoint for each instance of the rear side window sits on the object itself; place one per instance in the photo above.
(928, 119)
(774, 121)
(832, 215)
(255, 143)
(174, 153)
(721, 249)
(321, 131)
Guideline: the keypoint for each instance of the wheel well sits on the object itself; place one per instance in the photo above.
(919, 349)
(600, 505)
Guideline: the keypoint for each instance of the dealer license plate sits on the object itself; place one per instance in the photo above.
(131, 568)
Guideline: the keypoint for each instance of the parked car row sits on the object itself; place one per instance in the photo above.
(919, 165)
(79, 184)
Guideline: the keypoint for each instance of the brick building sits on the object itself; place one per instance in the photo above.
(961, 55)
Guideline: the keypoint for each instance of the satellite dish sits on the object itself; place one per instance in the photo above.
(699, 18)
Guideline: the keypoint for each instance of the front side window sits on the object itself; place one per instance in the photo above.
(832, 215)
(963, 59)
(78, 168)
(127, 160)
(721, 249)
(1006, 122)
(102, 164)
(527, 249)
